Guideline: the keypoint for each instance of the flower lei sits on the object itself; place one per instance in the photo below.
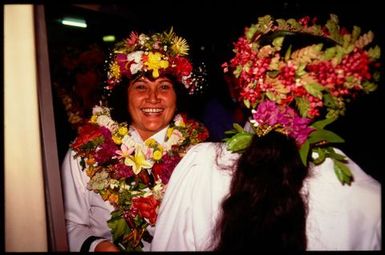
(157, 54)
(287, 91)
(132, 176)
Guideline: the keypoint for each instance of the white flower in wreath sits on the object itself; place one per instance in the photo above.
(136, 57)
(128, 141)
(97, 110)
(175, 138)
(107, 122)
(186, 81)
(143, 38)
(179, 121)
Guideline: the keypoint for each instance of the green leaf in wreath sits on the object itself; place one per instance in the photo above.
(118, 227)
(239, 142)
(324, 135)
(323, 123)
(334, 155)
(343, 172)
(238, 127)
(304, 151)
(288, 53)
(303, 106)
(315, 89)
(247, 103)
(117, 224)
(374, 53)
(230, 132)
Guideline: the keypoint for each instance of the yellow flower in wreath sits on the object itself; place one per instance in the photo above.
(138, 161)
(155, 62)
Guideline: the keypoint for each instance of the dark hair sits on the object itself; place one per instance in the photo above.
(118, 100)
(264, 209)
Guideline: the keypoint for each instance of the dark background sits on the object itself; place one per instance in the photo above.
(211, 27)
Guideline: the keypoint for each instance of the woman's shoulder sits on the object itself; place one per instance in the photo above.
(334, 209)
(212, 150)
(324, 187)
(326, 170)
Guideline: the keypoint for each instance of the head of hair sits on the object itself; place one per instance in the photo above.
(264, 208)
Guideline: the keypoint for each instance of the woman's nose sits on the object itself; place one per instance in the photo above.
(153, 96)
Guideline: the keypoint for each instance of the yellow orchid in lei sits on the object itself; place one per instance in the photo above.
(138, 161)
(155, 62)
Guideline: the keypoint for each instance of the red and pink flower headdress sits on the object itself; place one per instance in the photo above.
(299, 91)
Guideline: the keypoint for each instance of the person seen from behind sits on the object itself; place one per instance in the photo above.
(280, 182)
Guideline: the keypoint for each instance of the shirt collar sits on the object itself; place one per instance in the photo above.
(159, 136)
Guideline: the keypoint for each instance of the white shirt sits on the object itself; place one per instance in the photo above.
(340, 217)
(86, 213)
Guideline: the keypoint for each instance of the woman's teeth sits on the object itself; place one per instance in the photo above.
(152, 110)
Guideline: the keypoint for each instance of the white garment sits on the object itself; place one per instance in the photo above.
(340, 217)
(86, 213)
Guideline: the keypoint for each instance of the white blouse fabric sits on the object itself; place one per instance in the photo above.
(340, 217)
(86, 213)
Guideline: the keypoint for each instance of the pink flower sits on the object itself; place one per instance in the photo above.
(121, 60)
(268, 113)
(133, 39)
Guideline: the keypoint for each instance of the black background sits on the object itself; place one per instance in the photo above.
(211, 27)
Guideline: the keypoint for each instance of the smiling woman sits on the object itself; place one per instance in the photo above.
(118, 167)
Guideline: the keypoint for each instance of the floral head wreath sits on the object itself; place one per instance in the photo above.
(158, 54)
(299, 92)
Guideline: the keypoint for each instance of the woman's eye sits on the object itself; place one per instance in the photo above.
(139, 86)
(165, 86)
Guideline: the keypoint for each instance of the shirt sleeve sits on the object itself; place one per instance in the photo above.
(76, 203)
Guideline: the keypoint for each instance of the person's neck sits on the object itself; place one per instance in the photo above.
(145, 135)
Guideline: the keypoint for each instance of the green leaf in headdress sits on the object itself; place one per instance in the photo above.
(314, 89)
(239, 142)
(343, 172)
(303, 105)
(304, 151)
(320, 135)
(374, 53)
(320, 124)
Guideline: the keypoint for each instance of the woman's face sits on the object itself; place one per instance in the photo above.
(151, 104)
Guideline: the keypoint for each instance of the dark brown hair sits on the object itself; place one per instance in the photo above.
(264, 209)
